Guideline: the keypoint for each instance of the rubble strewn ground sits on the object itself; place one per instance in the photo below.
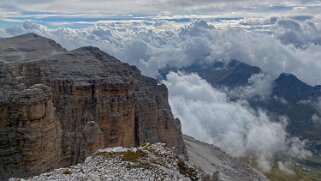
(149, 162)
(212, 159)
(156, 162)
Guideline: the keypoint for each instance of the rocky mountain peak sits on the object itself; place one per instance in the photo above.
(93, 51)
(88, 48)
(287, 77)
(27, 47)
(58, 107)
(291, 88)
(28, 36)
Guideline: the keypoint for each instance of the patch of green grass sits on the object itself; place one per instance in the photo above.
(108, 155)
(277, 175)
(132, 156)
(129, 155)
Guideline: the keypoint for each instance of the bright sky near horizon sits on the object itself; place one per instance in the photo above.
(53, 12)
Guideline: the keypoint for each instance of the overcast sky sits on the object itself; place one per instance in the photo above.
(15, 11)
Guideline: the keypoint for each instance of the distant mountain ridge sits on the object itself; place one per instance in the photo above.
(287, 87)
(233, 74)
(293, 90)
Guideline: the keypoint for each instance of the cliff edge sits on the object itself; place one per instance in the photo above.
(58, 107)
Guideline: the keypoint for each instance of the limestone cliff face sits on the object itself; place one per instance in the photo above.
(58, 109)
(30, 134)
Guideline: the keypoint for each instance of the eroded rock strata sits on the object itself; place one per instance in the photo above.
(57, 107)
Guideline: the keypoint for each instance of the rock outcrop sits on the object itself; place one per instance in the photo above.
(58, 107)
(156, 162)
(145, 163)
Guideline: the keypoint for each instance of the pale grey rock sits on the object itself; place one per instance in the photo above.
(157, 163)
(27, 47)
(212, 159)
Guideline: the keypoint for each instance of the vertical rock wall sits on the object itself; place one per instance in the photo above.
(31, 136)
(55, 111)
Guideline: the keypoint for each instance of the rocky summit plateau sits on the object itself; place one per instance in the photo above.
(58, 107)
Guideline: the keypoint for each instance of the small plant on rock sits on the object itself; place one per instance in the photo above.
(133, 155)
(187, 171)
(67, 171)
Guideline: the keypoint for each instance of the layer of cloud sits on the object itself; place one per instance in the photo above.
(259, 86)
(285, 167)
(155, 45)
(291, 32)
(207, 114)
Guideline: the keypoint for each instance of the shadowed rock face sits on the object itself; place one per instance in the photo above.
(292, 89)
(57, 109)
(231, 75)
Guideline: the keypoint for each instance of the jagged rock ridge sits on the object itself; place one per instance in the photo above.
(57, 109)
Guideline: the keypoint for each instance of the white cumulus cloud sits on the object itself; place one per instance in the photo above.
(207, 114)
(154, 46)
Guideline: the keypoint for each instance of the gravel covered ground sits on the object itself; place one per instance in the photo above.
(156, 162)
(210, 158)
(150, 162)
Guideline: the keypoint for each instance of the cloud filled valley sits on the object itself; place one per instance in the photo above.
(207, 112)
(208, 115)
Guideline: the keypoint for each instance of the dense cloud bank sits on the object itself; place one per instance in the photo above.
(293, 47)
(292, 32)
(208, 115)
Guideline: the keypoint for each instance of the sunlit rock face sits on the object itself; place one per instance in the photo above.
(58, 107)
